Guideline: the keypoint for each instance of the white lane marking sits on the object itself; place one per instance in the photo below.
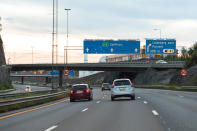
(138, 97)
(103, 97)
(167, 93)
(98, 102)
(84, 109)
(145, 102)
(169, 129)
(155, 112)
(51, 128)
(181, 96)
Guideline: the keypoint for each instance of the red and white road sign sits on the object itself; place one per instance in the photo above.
(66, 72)
(183, 72)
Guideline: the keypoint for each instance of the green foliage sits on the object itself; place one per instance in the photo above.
(189, 56)
(191, 59)
(5, 87)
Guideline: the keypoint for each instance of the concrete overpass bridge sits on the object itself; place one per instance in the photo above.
(121, 67)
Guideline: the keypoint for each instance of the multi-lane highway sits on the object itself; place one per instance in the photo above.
(153, 110)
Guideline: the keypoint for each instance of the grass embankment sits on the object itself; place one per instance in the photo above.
(174, 87)
(5, 87)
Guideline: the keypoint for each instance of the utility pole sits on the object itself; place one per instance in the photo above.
(32, 55)
(159, 32)
(56, 31)
(66, 40)
(53, 33)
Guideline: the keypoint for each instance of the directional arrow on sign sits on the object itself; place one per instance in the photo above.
(87, 49)
(112, 50)
(135, 49)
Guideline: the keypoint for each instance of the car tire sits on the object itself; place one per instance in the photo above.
(132, 97)
(112, 99)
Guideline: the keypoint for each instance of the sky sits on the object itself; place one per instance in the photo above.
(27, 25)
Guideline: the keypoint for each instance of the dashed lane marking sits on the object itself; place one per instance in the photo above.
(155, 112)
(98, 102)
(51, 128)
(145, 102)
(84, 110)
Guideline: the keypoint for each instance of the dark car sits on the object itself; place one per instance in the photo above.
(105, 86)
(81, 91)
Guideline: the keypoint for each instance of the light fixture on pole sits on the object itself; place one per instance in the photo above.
(66, 40)
(159, 31)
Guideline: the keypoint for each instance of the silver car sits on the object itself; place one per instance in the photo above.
(122, 88)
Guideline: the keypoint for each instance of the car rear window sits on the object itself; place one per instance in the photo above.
(121, 82)
(79, 87)
(106, 85)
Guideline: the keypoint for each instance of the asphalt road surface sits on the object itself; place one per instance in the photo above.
(153, 110)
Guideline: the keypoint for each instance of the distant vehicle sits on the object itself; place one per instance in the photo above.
(81, 91)
(161, 62)
(122, 88)
(105, 86)
(28, 88)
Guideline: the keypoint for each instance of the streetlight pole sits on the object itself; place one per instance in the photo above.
(159, 32)
(32, 54)
(53, 40)
(66, 40)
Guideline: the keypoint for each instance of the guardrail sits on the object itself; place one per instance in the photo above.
(19, 100)
(13, 104)
(21, 94)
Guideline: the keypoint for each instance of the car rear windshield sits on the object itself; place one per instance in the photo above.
(121, 82)
(79, 87)
(106, 85)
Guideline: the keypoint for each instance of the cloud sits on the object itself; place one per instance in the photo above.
(27, 23)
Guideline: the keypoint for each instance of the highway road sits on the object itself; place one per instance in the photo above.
(153, 110)
(21, 89)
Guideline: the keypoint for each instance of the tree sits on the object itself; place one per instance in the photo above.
(184, 52)
(192, 56)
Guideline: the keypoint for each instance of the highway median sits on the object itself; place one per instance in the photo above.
(18, 103)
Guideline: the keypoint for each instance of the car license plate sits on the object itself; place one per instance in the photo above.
(79, 92)
(122, 89)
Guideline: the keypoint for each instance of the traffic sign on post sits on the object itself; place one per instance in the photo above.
(111, 47)
(161, 46)
(66, 72)
(183, 72)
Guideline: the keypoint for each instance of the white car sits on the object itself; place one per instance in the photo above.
(161, 62)
(122, 88)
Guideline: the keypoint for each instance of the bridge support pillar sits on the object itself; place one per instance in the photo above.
(60, 78)
(47, 80)
(22, 80)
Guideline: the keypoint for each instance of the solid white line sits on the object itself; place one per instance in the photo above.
(51, 128)
(98, 102)
(145, 102)
(138, 97)
(155, 112)
(84, 109)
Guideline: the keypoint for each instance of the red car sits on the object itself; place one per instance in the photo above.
(81, 91)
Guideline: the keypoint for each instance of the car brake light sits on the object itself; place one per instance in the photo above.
(87, 90)
(71, 91)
